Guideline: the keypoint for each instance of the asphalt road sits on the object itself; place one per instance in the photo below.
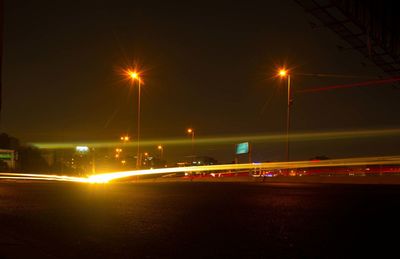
(198, 220)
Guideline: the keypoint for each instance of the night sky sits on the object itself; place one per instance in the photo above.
(206, 65)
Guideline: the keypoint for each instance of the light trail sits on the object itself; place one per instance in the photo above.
(334, 75)
(359, 84)
(44, 177)
(107, 177)
(305, 136)
(253, 166)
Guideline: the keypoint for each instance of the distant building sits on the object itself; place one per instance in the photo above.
(198, 160)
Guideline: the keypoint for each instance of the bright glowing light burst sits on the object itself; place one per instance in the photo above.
(283, 72)
(132, 74)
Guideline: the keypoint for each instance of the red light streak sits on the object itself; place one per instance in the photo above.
(365, 83)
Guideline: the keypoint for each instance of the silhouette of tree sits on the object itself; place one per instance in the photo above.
(29, 158)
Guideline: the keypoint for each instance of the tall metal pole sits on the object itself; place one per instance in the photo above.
(288, 120)
(138, 162)
(93, 162)
(161, 149)
(193, 143)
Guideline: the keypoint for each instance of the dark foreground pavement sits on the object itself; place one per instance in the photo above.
(198, 220)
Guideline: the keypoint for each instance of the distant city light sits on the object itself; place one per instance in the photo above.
(125, 138)
(82, 149)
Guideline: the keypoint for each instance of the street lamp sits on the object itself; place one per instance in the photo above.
(125, 138)
(134, 76)
(161, 148)
(282, 73)
(118, 152)
(191, 132)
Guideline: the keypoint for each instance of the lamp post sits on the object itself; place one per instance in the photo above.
(161, 148)
(134, 76)
(191, 132)
(118, 151)
(285, 73)
(93, 162)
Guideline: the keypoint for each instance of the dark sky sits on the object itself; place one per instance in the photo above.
(207, 65)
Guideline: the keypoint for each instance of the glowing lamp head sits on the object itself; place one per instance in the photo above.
(82, 149)
(133, 75)
(125, 138)
(159, 147)
(283, 72)
(189, 130)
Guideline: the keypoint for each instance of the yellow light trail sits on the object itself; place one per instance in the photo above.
(271, 166)
(107, 177)
(305, 136)
(47, 177)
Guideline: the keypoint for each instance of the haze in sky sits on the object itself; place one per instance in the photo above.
(208, 65)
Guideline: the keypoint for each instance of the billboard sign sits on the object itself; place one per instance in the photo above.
(9, 157)
(242, 148)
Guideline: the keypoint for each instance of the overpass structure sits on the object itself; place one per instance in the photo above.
(370, 27)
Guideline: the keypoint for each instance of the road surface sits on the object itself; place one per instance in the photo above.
(197, 220)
